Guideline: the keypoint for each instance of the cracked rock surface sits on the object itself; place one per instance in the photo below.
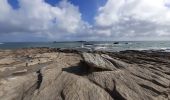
(53, 74)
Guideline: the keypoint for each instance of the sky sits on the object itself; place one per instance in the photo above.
(89, 20)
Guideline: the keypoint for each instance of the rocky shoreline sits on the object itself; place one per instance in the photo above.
(65, 74)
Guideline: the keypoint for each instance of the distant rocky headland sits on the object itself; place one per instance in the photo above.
(65, 74)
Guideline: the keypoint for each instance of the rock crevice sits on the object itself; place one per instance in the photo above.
(39, 78)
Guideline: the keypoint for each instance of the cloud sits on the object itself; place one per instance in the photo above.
(116, 20)
(134, 18)
(40, 18)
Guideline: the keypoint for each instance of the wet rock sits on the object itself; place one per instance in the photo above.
(116, 43)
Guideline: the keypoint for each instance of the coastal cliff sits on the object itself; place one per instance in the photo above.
(54, 74)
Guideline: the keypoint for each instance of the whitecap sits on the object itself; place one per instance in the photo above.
(100, 48)
(104, 44)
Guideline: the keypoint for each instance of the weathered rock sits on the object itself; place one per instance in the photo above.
(97, 61)
(53, 74)
(117, 63)
(16, 88)
(6, 61)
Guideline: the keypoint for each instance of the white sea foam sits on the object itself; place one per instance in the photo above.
(164, 49)
(167, 50)
(104, 44)
(100, 48)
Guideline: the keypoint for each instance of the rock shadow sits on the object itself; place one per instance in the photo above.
(81, 69)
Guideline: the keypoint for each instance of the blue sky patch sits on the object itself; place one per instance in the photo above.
(14, 4)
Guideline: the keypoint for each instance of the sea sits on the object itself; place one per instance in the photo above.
(112, 46)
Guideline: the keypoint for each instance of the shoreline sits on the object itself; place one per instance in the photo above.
(101, 46)
(88, 50)
(51, 73)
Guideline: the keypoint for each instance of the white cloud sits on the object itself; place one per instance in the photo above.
(135, 18)
(116, 20)
(39, 17)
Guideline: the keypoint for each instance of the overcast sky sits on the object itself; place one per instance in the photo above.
(70, 20)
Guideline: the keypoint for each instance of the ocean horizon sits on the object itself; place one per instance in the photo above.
(92, 45)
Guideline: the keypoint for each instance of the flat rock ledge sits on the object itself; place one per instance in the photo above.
(53, 74)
